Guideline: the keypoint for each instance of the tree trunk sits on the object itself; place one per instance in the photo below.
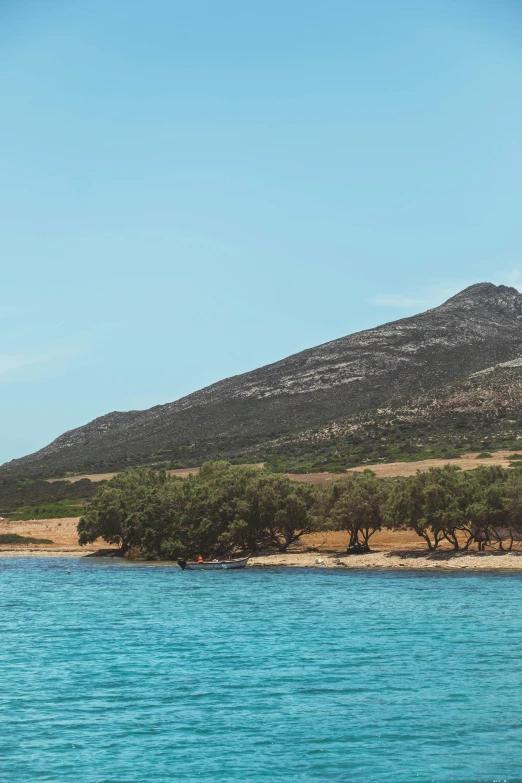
(451, 536)
(427, 539)
(354, 538)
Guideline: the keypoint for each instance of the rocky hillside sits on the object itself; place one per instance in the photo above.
(448, 377)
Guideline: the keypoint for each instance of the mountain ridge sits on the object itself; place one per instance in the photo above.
(353, 376)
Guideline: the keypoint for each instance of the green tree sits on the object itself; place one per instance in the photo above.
(488, 508)
(221, 510)
(430, 504)
(514, 507)
(120, 508)
(292, 504)
(356, 505)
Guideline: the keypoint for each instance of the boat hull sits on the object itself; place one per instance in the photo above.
(220, 565)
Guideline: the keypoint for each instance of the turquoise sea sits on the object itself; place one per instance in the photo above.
(119, 673)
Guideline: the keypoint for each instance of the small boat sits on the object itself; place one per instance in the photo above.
(211, 565)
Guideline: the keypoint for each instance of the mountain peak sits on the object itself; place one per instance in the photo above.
(487, 295)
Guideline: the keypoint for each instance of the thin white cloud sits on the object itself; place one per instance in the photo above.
(9, 362)
(68, 347)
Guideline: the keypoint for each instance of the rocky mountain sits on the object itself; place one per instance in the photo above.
(447, 377)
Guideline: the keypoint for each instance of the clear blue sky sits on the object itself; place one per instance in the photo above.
(190, 190)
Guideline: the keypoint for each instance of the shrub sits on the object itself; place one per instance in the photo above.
(47, 511)
(14, 538)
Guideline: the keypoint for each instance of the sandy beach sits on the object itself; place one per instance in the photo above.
(62, 532)
(390, 549)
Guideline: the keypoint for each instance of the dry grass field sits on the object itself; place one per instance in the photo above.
(62, 532)
(384, 469)
(390, 469)
(183, 472)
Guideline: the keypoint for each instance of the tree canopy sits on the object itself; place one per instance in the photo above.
(226, 509)
(220, 510)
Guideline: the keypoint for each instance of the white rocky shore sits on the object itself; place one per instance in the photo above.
(395, 560)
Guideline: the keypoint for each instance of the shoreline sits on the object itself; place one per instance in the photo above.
(393, 560)
(387, 560)
(391, 550)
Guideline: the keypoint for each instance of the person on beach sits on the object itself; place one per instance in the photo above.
(200, 559)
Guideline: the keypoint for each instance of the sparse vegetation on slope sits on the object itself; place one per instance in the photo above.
(438, 384)
(23, 496)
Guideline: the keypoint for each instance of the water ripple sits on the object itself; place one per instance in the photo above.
(122, 673)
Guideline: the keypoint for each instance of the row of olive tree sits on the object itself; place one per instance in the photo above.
(357, 505)
(483, 505)
(220, 510)
(442, 504)
(225, 509)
